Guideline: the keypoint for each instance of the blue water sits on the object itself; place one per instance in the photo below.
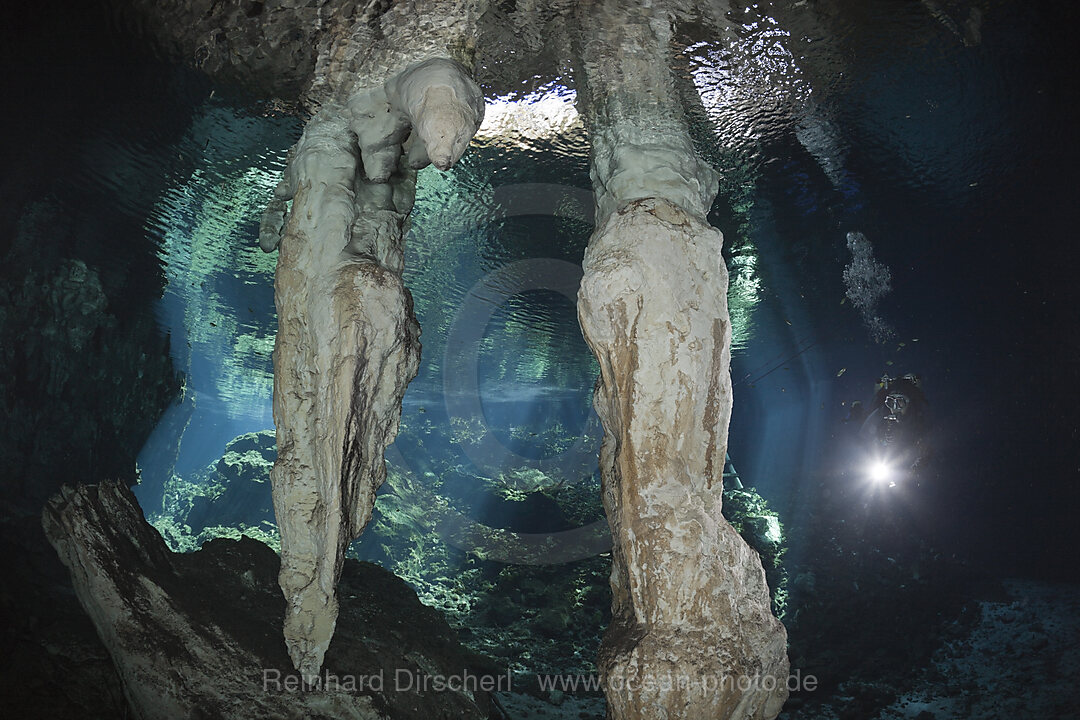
(953, 153)
(218, 307)
(953, 159)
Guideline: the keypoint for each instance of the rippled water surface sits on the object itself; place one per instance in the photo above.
(941, 132)
(896, 192)
(917, 124)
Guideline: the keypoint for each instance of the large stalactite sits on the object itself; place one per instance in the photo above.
(348, 341)
(693, 635)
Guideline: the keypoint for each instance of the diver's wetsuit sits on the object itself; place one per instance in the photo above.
(897, 416)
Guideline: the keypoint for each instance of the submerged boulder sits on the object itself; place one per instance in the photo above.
(198, 634)
(238, 486)
(228, 497)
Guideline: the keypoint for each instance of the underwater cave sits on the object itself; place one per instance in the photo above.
(494, 359)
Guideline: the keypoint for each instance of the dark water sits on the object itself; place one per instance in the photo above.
(955, 167)
(946, 138)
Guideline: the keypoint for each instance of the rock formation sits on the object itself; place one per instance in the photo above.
(183, 654)
(693, 635)
(228, 497)
(348, 342)
(390, 88)
(62, 339)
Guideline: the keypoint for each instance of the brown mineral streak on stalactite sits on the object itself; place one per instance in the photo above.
(711, 418)
(684, 583)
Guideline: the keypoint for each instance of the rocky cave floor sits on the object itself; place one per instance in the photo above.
(894, 631)
(1011, 650)
(1012, 654)
(909, 634)
(892, 626)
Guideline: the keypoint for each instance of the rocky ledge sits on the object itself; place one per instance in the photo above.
(198, 635)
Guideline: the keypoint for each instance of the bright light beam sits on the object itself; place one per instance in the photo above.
(880, 472)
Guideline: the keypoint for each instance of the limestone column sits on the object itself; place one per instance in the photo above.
(395, 93)
(692, 635)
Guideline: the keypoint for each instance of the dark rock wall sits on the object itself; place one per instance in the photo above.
(53, 665)
(268, 45)
(80, 388)
(84, 370)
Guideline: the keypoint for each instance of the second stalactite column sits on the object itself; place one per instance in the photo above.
(692, 635)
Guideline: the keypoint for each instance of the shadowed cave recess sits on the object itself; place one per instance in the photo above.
(588, 359)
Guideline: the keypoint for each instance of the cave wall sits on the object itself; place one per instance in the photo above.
(85, 371)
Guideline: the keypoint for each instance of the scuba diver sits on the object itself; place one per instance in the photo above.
(893, 426)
